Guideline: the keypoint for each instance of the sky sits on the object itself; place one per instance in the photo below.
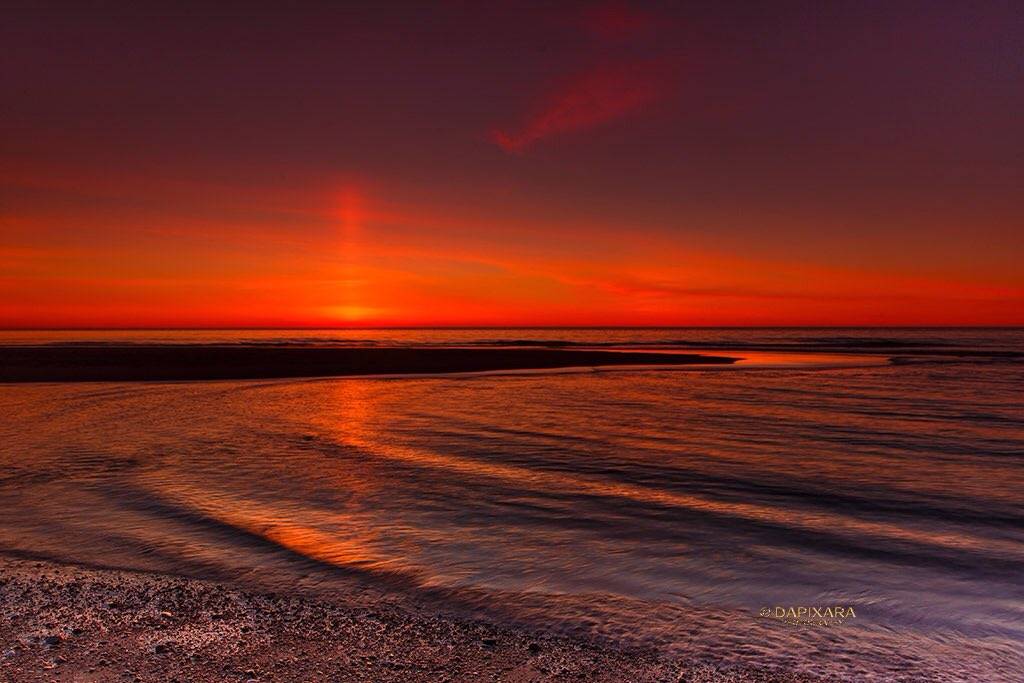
(511, 163)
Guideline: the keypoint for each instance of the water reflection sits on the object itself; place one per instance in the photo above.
(656, 507)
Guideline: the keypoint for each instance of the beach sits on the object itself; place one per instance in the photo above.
(76, 624)
(554, 523)
(595, 341)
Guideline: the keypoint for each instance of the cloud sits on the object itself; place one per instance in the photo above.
(592, 99)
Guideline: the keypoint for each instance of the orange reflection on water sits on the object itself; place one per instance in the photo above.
(370, 440)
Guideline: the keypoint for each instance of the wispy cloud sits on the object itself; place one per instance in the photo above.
(592, 99)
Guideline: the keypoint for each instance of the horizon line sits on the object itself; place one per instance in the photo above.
(509, 327)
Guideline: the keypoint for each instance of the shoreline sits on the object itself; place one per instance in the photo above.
(20, 364)
(71, 623)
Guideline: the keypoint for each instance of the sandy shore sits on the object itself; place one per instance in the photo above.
(199, 362)
(77, 624)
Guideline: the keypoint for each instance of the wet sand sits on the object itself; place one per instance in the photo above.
(65, 623)
(206, 362)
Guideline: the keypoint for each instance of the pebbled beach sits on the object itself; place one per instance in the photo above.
(71, 623)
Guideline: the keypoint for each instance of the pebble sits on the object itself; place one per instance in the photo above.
(368, 643)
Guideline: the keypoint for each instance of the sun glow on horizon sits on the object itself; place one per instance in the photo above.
(605, 170)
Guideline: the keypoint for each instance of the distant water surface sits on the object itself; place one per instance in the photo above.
(796, 338)
(664, 508)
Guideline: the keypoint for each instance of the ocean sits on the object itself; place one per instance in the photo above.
(880, 471)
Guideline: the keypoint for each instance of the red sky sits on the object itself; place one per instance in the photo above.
(522, 163)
